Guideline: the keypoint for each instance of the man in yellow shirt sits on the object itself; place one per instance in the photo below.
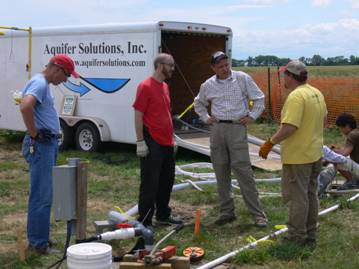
(301, 137)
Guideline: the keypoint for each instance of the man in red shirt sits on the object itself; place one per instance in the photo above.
(155, 143)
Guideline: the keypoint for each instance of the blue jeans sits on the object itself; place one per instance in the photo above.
(41, 159)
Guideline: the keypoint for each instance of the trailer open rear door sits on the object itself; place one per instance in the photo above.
(199, 142)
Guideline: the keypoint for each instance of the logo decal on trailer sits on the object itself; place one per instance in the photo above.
(106, 85)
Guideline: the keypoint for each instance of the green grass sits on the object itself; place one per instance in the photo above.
(113, 180)
(263, 129)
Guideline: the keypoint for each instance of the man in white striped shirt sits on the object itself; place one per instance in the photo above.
(229, 92)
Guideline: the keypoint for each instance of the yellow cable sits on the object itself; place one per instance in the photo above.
(186, 110)
(119, 209)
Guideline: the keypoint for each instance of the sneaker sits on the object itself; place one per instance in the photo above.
(349, 185)
(170, 221)
(261, 222)
(51, 243)
(224, 220)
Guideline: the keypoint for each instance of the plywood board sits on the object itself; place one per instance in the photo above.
(272, 164)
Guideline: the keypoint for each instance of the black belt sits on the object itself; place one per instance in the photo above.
(229, 121)
(57, 136)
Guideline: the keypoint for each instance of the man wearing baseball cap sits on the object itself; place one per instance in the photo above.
(229, 92)
(40, 146)
(301, 137)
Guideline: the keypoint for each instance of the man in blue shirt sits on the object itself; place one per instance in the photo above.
(40, 145)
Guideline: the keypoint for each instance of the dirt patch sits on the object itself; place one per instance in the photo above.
(14, 220)
(187, 212)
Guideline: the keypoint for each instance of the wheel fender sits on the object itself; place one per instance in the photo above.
(102, 127)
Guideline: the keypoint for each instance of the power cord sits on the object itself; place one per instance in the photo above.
(68, 238)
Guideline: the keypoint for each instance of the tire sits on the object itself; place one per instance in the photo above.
(67, 136)
(87, 137)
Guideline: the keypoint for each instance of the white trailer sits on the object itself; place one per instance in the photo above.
(112, 59)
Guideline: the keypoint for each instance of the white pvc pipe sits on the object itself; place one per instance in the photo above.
(222, 259)
(180, 171)
(116, 217)
(254, 244)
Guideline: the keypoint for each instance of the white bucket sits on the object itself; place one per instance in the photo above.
(89, 256)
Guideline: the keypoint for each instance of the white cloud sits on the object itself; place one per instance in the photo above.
(251, 4)
(266, 2)
(355, 3)
(249, 20)
(321, 3)
(326, 39)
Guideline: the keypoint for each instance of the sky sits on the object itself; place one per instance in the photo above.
(283, 28)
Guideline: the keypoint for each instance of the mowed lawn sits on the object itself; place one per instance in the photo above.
(114, 179)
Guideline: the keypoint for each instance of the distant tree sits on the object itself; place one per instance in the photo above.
(250, 61)
(352, 59)
(283, 61)
(270, 60)
(236, 63)
(317, 60)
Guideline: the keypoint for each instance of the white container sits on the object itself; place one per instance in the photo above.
(89, 256)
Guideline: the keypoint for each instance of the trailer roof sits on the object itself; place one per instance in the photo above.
(130, 28)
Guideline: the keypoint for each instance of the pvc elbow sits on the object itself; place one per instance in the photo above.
(146, 233)
(115, 217)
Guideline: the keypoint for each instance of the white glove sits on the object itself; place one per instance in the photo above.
(175, 148)
(142, 149)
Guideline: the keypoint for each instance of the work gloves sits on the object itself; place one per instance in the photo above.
(266, 148)
(142, 149)
(175, 148)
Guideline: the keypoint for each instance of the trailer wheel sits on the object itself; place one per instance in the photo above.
(87, 137)
(67, 136)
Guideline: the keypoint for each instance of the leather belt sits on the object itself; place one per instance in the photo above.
(57, 136)
(229, 121)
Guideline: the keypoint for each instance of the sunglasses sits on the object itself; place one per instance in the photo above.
(63, 70)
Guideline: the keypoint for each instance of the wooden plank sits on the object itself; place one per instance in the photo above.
(177, 262)
(140, 265)
(272, 164)
(81, 200)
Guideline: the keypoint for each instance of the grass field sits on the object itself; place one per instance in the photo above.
(114, 180)
(315, 71)
(339, 85)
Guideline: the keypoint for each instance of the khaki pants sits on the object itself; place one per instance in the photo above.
(299, 190)
(229, 150)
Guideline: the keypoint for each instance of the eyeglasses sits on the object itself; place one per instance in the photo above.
(170, 64)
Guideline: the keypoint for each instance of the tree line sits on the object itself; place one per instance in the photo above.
(316, 60)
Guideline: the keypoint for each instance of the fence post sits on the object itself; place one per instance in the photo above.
(81, 200)
(269, 96)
